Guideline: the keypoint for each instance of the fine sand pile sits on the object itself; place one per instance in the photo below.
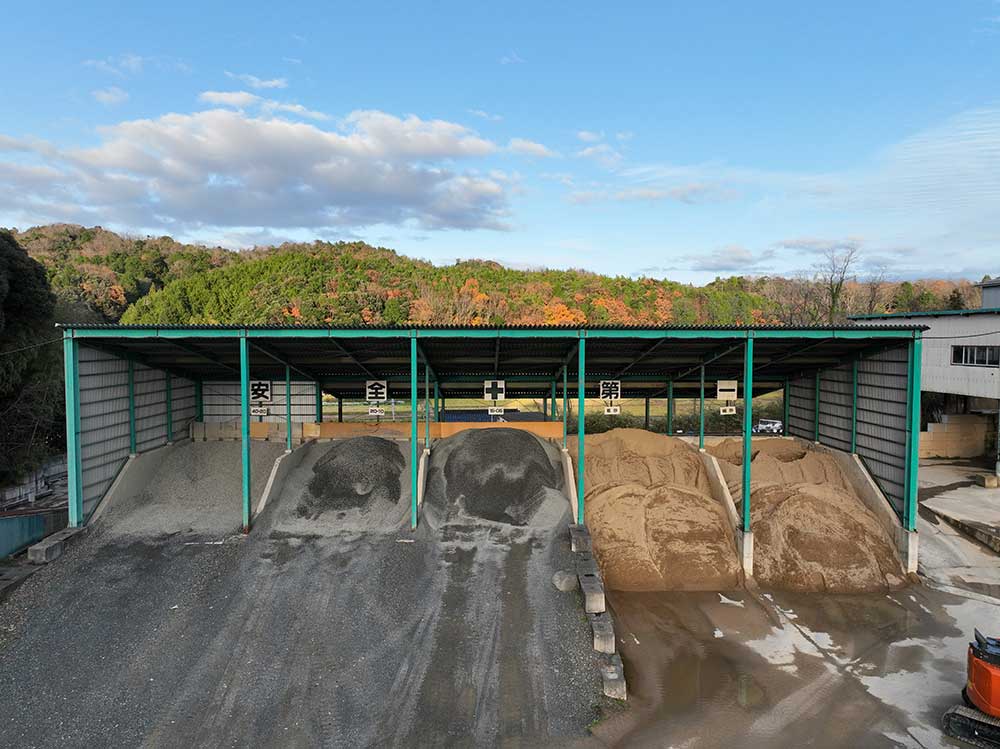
(651, 515)
(500, 475)
(354, 484)
(811, 530)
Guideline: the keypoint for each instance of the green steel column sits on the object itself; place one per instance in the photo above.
(913, 433)
(427, 408)
(816, 412)
(701, 408)
(131, 409)
(319, 403)
(565, 407)
(581, 384)
(245, 425)
(413, 433)
(784, 424)
(199, 401)
(340, 408)
(854, 406)
(437, 402)
(545, 408)
(170, 408)
(645, 422)
(74, 463)
(747, 422)
(552, 400)
(288, 408)
(670, 407)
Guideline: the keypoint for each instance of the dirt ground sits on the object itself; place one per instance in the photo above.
(811, 530)
(651, 515)
(323, 635)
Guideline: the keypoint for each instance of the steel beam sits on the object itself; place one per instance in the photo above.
(245, 427)
(170, 408)
(319, 403)
(701, 410)
(201, 354)
(747, 428)
(816, 410)
(581, 380)
(552, 402)
(912, 433)
(288, 408)
(785, 403)
(854, 405)
(670, 407)
(565, 405)
(278, 358)
(132, 441)
(74, 461)
(199, 401)
(413, 434)
(354, 359)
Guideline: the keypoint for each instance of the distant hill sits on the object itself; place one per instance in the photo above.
(96, 272)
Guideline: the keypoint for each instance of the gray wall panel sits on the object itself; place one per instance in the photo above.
(104, 437)
(221, 401)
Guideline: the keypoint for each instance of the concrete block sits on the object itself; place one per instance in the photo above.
(579, 538)
(988, 480)
(604, 632)
(744, 540)
(585, 563)
(613, 677)
(593, 593)
(51, 547)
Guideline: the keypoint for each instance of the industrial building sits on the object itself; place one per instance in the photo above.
(132, 389)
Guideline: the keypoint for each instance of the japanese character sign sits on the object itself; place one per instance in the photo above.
(611, 390)
(376, 391)
(260, 390)
(494, 390)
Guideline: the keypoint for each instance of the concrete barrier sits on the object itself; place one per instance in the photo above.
(134, 476)
(570, 481)
(438, 429)
(873, 498)
(283, 465)
(425, 457)
(720, 491)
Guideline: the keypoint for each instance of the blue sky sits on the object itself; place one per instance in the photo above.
(686, 140)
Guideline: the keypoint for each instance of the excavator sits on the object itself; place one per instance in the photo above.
(977, 722)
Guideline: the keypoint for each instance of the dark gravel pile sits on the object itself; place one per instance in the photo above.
(501, 475)
(356, 473)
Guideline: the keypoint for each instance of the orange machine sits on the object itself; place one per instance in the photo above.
(976, 722)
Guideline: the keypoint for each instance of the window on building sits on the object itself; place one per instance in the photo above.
(976, 356)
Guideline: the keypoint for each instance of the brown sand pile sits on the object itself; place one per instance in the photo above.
(652, 517)
(811, 530)
(820, 538)
(636, 456)
(661, 537)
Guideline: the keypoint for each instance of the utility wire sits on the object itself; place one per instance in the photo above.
(33, 345)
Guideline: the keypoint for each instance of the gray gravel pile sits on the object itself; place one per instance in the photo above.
(197, 488)
(501, 475)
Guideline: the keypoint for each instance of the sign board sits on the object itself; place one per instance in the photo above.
(258, 410)
(376, 411)
(725, 390)
(495, 410)
(727, 411)
(260, 390)
(611, 390)
(494, 390)
(612, 410)
(376, 391)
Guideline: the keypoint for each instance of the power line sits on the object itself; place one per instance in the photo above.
(33, 345)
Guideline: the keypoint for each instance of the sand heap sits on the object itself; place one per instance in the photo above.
(811, 530)
(653, 521)
(500, 475)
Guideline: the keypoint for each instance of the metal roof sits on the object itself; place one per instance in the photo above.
(529, 358)
(930, 313)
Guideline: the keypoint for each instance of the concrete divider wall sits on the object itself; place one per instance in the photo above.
(721, 493)
(438, 429)
(570, 481)
(283, 465)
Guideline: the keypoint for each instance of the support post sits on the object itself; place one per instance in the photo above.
(701, 408)
(747, 422)
(74, 462)
(319, 403)
(565, 406)
(427, 407)
(340, 409)
(816, 412)
(581, 394)
(245, 425)
(670, 407)
(170, 408)
(199, 401)
(413, 432)
(912, 433)
(288, 408)
(552, 402)
(132, 441)
(854, 406)
(787, 401)
(645, 421)
(437, 401)
(545, 408)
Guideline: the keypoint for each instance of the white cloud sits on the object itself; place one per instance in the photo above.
(229, 98)
(110, 96)
(120, 65)
(602, 153)
(222, 169)
(734, 259)
(511, 58)
(254, 82)
(483, 114)
(625, 135)
(589, 136)
(524, 147)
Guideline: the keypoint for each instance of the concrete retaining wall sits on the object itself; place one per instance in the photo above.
(283, 465)
(956, 436)
(438, 430)
(720, 491)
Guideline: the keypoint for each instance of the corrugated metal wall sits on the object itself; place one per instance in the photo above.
(881, 436)
(182, 406)
(221, 401)
(104, 441)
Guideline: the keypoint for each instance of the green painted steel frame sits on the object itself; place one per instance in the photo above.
(581, 418)
(132, 442)
(565, 394)
(245, 427)
(915, 350)
(74, 460)
(786, 401)
(747, 429)
(854, 405)
(816, 408)
(701, 409)
(199, 401)
(288, 408)
(413, 434)
(319, 403)
(670, 407)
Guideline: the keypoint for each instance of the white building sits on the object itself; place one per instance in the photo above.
(960, 380)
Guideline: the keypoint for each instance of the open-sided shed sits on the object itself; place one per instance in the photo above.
(132, 388)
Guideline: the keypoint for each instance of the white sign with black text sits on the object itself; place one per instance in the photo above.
(727, 411)
(612, 410)
(494, 390)
(725, 390)
(376, 391)
(376, 411)
(260, 390)
(258, 410)
(611, 390)
(495, 410)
